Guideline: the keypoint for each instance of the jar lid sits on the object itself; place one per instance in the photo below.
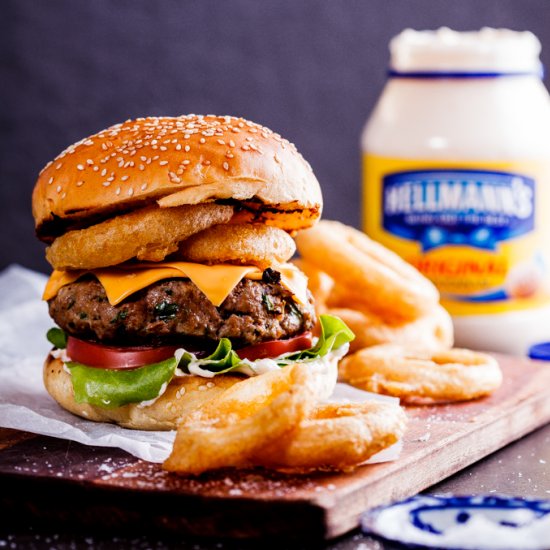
(487, 51)
(540, 351)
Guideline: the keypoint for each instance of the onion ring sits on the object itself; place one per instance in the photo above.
(149, 234)
(249, 244)
(336, 436)
(387, 283)
(447, 375)
(256, 412)
(433, 330)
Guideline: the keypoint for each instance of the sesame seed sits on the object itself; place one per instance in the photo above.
(229, 155)
(89, 162)
(50, 181)
(117, 191)
(88, 142)
(95, 168)
(106, 183)
(63, 195)
(130, 192)
(187, 149)
(103, 172)
(186, 162)
(143, 187)
(141, 167)
(58, 166)
(163, 148)
(202, 140)
(207, 163)
(124, 178)
(79, 167)
(221, 141)
(231, 143)
(186, 136)
(58, 188)
(79, 183)
(225, 166)
(163, 162)
(178, 147)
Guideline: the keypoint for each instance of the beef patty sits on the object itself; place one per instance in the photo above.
(175, 310)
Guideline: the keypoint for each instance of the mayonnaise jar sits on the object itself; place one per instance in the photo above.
(456, 178)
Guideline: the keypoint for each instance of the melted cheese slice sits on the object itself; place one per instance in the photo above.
(215, 281)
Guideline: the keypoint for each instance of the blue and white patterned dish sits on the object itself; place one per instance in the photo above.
(463, 523)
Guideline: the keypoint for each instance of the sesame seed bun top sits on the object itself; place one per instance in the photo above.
(175, 161)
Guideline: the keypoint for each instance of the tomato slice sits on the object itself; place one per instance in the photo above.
(114, 357)
(274, 348)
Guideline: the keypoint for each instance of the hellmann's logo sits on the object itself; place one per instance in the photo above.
(462, 207)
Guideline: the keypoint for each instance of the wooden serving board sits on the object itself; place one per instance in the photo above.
(107, 488)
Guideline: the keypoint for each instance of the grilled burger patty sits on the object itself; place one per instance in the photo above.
(175, 310)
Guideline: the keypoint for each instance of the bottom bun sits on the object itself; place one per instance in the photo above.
(183, 395)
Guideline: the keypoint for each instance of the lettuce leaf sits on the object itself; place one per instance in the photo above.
(110, 388)
(222, 360)
(334, 334)
(57, 338)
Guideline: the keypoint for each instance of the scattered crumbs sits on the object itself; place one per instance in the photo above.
(542, 461)
(106, 468)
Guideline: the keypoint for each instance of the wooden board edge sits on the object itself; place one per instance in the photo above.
(343, 514)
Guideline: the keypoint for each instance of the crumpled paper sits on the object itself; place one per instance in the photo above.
(25, 404)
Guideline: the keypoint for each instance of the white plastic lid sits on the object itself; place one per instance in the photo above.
(487, 50)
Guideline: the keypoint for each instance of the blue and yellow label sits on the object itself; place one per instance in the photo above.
(478, 230)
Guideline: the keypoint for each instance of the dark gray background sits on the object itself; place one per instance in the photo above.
(309, 69)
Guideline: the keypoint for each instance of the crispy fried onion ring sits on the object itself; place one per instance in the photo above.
(433, 330)
(387, 282)
(336, 436)
(447, 375)
(274, 421)
(230, 429)
(147, 234)
(249, 244)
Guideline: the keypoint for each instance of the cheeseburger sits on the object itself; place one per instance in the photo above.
(169, 239)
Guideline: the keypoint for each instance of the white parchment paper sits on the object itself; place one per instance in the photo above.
(25, 404)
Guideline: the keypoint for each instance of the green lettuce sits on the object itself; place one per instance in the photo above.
(110, 388)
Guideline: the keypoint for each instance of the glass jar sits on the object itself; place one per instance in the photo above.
(456, 178)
